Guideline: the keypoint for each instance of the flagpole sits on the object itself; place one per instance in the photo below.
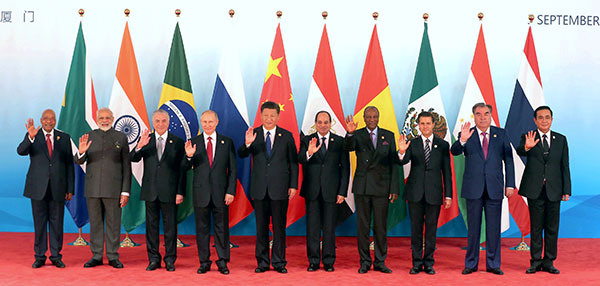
(375, 16)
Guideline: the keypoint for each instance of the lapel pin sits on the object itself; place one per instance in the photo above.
(222, 141)
(170, 141)
(279, 134)
(382, 137)
(434, 146)
(57, 138)
(495, 135)
(118, 146)
(553, 137)
(331, 139)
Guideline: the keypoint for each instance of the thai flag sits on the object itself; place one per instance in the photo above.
(229, 102)
(527, 97)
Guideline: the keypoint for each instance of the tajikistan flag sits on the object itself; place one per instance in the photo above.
(479, 89)
(425, 96)
(129, 109)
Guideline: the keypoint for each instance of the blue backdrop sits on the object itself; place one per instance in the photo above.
(37, 39)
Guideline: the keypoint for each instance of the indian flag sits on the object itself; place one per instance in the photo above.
(129, 109)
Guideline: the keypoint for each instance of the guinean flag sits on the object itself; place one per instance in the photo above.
(324, 95)
(425, 96)
(177, 99)
(129, 109)
(77, 117)
(277, 88)
(375, 91)
(479, 89)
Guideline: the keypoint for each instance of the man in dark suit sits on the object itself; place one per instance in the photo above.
(546, 181)
(163, 187)
(485, 148)
(326, 167)
(375, 185)
(49, 183)
(107, 186)
(428, 185)
(273, 182)
(212, 156)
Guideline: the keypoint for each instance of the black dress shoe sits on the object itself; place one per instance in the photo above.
(312, 267)
(261, 269)
(38, 263)
(203, 269)
(496, 271)
(170, 266)
(551, 270)
(58, 263)
(382, 269)
(469, 270)
(153, 266)
(92, 263)
(328, 268)
(281, 270)
(429, 270)
(115, 263)
(415, 270)
(533, 269)
(224, 270)
(363, 269)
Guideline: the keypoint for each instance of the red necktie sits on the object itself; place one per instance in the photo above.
(209, 151)
(49, 143)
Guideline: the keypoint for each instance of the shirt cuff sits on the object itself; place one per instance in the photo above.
(80, 155)
(308, 156)
(125, 194)
(401, 156)
(31, 140)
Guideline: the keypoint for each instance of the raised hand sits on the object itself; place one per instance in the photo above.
(84, 144)
(530, 140)
(466, 132)
(190, 149)
(250, 136)
(312, 146)
(31, 128)
(144, 139)
(350, 124)
(403, 144)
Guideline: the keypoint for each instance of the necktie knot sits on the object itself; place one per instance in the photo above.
(544, 136)
(209, 138)
(48, 136)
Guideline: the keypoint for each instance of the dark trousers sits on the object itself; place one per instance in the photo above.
(169, 217)
(422, 212)
(48, 216)
(544, 216)
(375, 207)
(493, 217)
(320, 216)
(266, 210)
(104, 212)
(220, 218)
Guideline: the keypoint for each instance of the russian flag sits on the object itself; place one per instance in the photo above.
(528, 96)
(229, 102)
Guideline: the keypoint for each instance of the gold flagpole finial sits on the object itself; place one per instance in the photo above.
(480, 16)
(231, 13)
(425, 17)
(279, 13)
(127, 12)
(177, 12)
(375, 15)
(324, 14)
(81, 12)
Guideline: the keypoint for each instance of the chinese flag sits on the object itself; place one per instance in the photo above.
(277, 88)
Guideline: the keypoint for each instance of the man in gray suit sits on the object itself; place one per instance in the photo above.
(107, 185)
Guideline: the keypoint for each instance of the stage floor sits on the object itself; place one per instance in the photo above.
(577, 261)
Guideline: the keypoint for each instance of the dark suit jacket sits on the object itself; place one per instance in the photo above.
(330, 174)
(275, 174)
(377, 171)
(163, 179)
(212, 183)
(555, 169)
(43, 170)
(434, 181)
(481, 172)
(108, 169)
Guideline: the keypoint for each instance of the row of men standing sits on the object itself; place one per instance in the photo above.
(274, 181)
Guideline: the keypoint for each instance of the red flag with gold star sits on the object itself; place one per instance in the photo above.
(277, 88)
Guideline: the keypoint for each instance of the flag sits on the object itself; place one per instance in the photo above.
(375, 91)
(528, 96)
(479, 89)
(324, 95)
(277, 88)
(229, 102)
(77, 117)
(177, 99)
(425, 96)
(129, 109)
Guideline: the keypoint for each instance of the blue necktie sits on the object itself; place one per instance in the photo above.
(268, 142)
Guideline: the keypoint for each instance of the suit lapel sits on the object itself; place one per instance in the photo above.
(276, 140)
(218, 148)
(420, 148)
(56, 146)
(42, 140)
(479, 144)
